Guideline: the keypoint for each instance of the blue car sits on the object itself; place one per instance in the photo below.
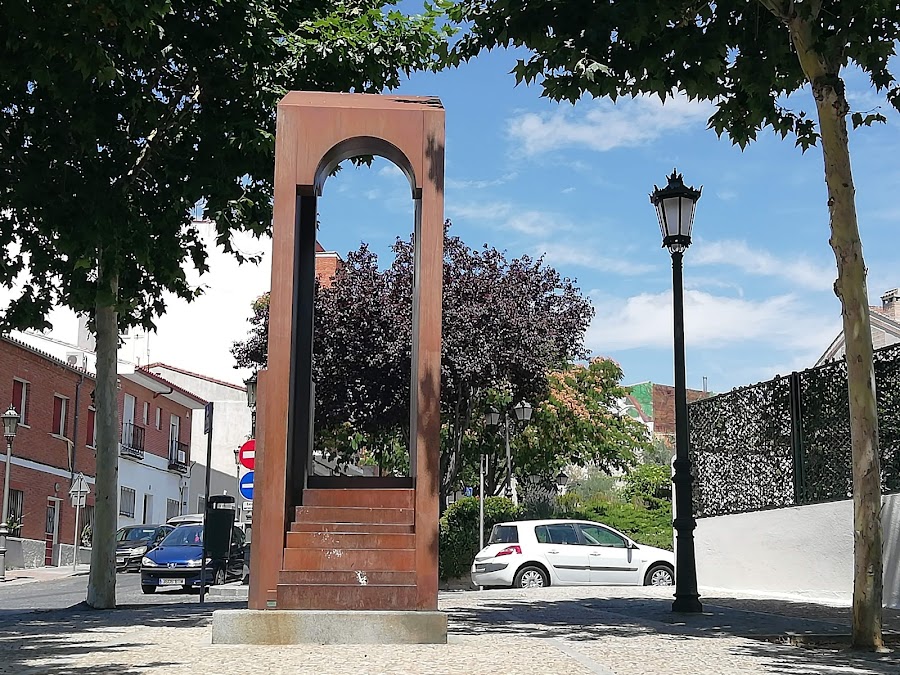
(177, 560)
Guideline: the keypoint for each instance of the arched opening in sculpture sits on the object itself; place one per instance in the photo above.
(362, 335)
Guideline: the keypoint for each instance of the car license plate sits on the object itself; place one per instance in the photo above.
(171, 582)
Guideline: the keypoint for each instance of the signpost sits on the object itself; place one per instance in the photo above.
(247, 462)
(207, 429)
(78, 493)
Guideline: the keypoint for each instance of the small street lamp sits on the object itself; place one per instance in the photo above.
(10, 424)
(250, 383)
(522, 411)
(675, 205)
(561, 481)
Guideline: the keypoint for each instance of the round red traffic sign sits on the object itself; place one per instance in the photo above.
(247, 454)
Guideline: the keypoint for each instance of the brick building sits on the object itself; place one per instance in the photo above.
(56, 440)
(654, 404)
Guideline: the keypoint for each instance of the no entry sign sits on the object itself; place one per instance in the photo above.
(247, 454)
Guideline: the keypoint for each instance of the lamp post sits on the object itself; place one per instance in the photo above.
(493, 418)
(10, 423)
(675, 205)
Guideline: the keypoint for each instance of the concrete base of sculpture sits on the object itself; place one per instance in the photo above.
(324, 627)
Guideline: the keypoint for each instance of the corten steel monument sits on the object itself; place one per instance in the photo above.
(338, 542)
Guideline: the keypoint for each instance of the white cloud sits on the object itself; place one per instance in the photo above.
(603, 125)
(510, 216)
(726, 195)
(559, 254)
(568, 190)
(797, 270)
(781, 322)
(473, 184)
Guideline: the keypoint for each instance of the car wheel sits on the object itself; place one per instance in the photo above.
(659, 575)
(530, 576)
(147, 590)
(219, 578)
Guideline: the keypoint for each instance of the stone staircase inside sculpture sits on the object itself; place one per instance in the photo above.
(344, 552)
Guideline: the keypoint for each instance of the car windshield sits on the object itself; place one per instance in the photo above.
(134, 533)
(504, 534)
(186, 535)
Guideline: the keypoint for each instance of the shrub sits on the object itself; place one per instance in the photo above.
(652, 526)
(648, 480)
(459, 532)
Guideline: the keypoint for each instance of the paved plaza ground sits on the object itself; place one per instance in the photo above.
(571, 631)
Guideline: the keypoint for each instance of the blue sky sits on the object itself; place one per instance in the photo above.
(571, 183)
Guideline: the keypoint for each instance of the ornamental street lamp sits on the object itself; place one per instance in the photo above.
(675, 205)
(250, 383)
(561, 481)
(522, 411)
(10, 423)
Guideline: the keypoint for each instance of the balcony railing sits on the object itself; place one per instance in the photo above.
(132, 441)
(178, 456)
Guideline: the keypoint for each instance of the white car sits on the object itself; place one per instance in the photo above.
(536, 553)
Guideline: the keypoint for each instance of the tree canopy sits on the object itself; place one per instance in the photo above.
(506, 324)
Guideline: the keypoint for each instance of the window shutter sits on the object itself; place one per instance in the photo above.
(91, 423)
(57, 415)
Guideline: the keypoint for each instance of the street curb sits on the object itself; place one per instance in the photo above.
(233, 590)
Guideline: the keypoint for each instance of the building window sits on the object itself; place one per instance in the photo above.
(173, 508)
(158, 418)
(146, 413)
(16, 509)
(91, 428)
(20, 400)
(201, 503)
(126, 502)
(60, 410)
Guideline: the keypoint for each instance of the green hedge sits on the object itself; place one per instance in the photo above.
(459, 532)
(647, 521)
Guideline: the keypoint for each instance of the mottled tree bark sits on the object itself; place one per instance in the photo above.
(101, 592)
(850, 287)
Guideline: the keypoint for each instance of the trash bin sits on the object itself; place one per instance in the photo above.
(219, 525)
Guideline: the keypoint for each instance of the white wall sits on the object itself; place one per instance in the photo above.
(231, 428)
(149, 476)
(804, 552)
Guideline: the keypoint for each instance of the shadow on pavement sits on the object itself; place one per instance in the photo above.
(588, 619)
(51, 636)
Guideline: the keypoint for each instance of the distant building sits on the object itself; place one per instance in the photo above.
(56, 440)
(885, 321)
(654, 405)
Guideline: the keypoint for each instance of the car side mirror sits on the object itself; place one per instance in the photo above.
(632, 545)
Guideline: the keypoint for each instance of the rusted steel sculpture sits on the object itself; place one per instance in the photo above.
(343, 542)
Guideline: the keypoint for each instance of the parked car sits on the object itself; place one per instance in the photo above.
(536, 553)
(133, 541)
(177, 561)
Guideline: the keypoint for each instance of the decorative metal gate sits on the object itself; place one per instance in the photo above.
(786, 442)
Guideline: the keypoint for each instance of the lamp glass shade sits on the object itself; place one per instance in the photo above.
(675, 206)
(492, 418)
(523, 411)
(251, 391)
(10, 422)
(562, 479)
